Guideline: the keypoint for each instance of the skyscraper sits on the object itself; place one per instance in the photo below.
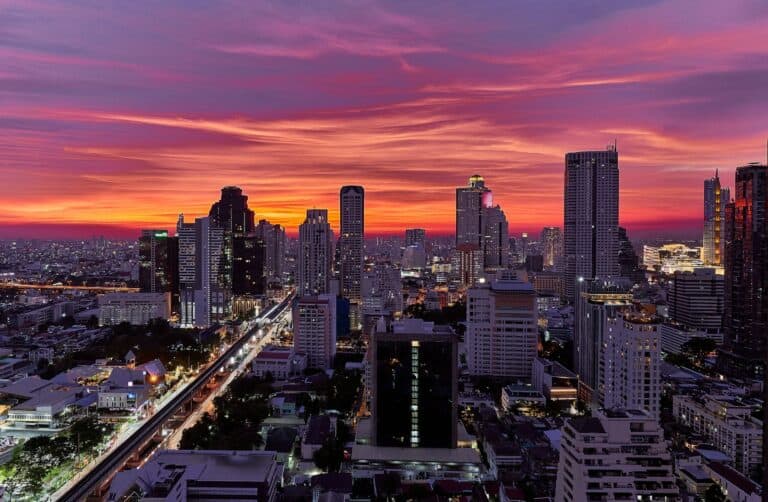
(470, 202)
(551, 246)
(591, 216)
(185, 233)
(231, 212)
(715, 199)
(315, 254)
(232, 215)
(495, 238)
(212, 288)
(415, 236)
(154, 265)
(695, 301)
(352, 230)
(502, 331)
(415, 384)
(746, 274)
(273, 237)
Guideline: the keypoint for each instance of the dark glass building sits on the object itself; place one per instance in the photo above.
(745, 320)
(159, 264)
(248, 265)
(414, 382)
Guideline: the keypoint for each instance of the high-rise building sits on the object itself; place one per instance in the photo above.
(351, 233)
(715, 199)
(746, 273)
(629, 262)
(273, 237)
(248, 255)
(314, 329)
(468, 260)
(470, 202)
(231, 212)
(630, 376)
(415, 384)
(416, 236)
(212, 287)
(495, 239)
(187, 236)
(591, 216)
(315, 254)
(551, 247)
(598, 302)
(696, 302)
(502, 330)
(158, 264)
(615, 455)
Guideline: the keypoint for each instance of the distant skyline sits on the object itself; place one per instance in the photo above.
(116, 117)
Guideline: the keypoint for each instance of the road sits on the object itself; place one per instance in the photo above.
(112, 461)
(173, 440)
(103, 289)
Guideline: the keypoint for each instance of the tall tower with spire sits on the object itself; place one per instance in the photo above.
(715, 199)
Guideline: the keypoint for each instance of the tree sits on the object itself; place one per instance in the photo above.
(697, 348)
(714, 494)
(330, 455)
(92, 323)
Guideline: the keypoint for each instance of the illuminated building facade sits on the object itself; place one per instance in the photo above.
(415, 386)
(315, 254)
(715, 199)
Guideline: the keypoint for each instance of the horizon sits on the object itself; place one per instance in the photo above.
(106, 133)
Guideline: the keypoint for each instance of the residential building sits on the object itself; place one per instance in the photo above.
(502, 331)
(133, 308)
(201, 475)
(630, 366)
(591, 216)
(727, 424)
(556, 382)
(315, 254)
(314, 329)
(615, 455)
(273, 237)
(598, 301)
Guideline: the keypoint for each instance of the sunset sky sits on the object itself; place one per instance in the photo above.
(119, 115)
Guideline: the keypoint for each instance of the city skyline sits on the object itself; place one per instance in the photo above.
(107, 134)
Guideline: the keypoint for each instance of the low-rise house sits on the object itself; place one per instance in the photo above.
(319, 428)
(281, 363)
(201, 475)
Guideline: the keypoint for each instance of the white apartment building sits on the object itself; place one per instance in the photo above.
(315, 254)
(630, 367)
(502, 330)
(615, 455)
(314, 329)
(727, 424)
(134, 308)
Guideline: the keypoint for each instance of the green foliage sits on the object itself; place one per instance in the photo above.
(239, 412)
(330, 455)
(698, 348)
(40, 456)
(344, 390)
(714, 494)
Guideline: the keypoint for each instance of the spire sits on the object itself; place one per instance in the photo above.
(716, 173)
